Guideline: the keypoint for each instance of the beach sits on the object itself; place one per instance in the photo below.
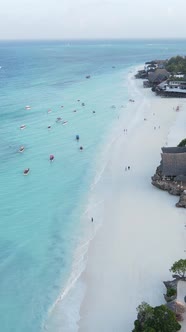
(142, 231)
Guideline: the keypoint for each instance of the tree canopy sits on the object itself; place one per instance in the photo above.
(182, 143)
(176, 64)
(179, 268)
(155, 319)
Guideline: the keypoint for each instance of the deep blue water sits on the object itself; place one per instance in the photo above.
(40, 214)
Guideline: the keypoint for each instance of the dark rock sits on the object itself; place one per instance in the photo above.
(172, 284)
(169, 298)
(182, 200)
(174, 185)
(166, 185)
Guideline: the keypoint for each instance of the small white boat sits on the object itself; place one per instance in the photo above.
(23, 126)
(27, 107)
(64, 123)
(21, 149)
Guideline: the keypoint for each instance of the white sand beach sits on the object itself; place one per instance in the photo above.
(143, 232)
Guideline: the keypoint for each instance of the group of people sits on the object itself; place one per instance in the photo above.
(156, 127)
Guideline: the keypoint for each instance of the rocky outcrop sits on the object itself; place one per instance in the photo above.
(172, 284)
(173, 187)
(169, 298)
(182, 200)
(167, 186)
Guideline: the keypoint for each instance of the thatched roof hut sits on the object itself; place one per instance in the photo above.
(174, 149)
(173, 161)
(158, 76)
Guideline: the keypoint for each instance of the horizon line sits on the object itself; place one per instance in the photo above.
(92, 39)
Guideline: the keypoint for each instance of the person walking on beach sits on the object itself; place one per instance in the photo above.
(129, 168)
(92, 219)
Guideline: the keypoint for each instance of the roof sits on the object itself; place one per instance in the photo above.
(158, 75)
(151, 62)
(173, 164)
(177, 149)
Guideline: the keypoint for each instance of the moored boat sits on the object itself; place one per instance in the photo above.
(58, 119)
(26, 171)
(23, 126)
(21, 149)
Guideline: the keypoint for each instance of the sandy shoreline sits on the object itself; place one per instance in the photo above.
(142, 232)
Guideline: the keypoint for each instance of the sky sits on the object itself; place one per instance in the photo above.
(77, 19)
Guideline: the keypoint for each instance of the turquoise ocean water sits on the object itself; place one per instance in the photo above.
(41, 224)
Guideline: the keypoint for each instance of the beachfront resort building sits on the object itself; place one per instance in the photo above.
(170, 88)
(158, 76)
(173, 162)
(150, 66)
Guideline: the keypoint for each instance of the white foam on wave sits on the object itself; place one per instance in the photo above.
(77, 269)
(65, 310)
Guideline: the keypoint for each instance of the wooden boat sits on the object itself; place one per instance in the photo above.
(26, 171)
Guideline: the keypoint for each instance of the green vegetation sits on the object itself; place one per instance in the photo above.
(179, 268)
(171, 292)
(155, 319)
(182, 143)
(176, 64)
